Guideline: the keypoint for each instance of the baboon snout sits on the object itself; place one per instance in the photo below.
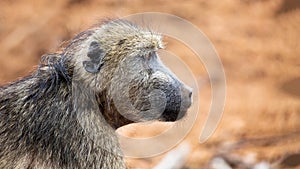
(179, 105)
(178, 97)
(187, 93)
(163, 97)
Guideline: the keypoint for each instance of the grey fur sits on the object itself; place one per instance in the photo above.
(64, 114)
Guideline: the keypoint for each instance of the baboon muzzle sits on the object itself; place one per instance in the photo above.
(177, 104)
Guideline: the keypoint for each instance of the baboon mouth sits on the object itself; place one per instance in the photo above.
(174, 113)
(173, 116)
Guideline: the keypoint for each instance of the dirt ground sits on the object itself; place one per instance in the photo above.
(257, 41)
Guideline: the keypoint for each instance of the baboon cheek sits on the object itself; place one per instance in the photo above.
(150, 104)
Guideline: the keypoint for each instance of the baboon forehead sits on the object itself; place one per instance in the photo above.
(122, 36)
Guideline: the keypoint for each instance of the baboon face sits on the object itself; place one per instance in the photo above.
(144, 89)
(138, 85)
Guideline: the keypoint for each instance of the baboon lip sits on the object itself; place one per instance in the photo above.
(174, 116)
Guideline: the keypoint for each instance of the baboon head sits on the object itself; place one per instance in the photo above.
(119, 61)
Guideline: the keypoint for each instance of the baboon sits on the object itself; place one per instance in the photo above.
(65, 113)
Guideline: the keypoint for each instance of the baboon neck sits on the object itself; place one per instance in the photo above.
(42, 120)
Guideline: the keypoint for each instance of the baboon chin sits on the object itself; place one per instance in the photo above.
(64, 114)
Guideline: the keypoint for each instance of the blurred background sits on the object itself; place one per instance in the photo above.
(257, 41)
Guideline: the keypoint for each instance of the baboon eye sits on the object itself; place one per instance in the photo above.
(150, 55)
(121, 41)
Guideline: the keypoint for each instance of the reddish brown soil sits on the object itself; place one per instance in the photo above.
(257, 40)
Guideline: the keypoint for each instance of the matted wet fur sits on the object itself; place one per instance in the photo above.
(64, 114)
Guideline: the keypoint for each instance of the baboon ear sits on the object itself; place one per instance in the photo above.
(96, 55)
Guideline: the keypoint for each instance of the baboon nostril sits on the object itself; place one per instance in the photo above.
(190, 94)
(187, 92)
